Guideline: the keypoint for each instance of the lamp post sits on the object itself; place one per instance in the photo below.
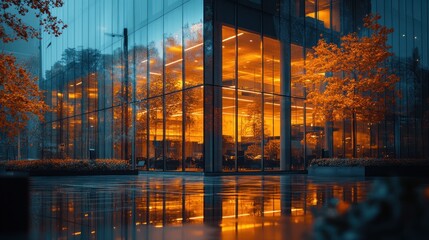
(125, 99)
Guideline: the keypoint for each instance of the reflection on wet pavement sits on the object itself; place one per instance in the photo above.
(183, 207)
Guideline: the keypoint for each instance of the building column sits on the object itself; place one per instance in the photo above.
(285, 104)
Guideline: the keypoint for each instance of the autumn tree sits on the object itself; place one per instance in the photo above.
(350, 80)
(13, 11)
(19, 93)
(19, 96)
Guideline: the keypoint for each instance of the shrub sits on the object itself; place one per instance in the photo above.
(367, 162)
(65, 165)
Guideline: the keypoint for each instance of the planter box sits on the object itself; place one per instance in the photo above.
(358, 171)
(336, 171)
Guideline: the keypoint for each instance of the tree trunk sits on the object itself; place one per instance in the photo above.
(329, 146)
(19, 145)
(354, 135)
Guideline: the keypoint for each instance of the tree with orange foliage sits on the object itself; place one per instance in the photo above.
(13, 11)
(350, 81)
(19, 96)
(19, 93)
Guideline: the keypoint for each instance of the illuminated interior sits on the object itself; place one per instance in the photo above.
(326, 13)
(250, 108)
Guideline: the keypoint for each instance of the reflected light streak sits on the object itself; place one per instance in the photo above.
(240, 99)
(195, 46)
(79, 83)
(171, 63)
(238, 215)
(232, 37)
(244, 226)
(154, 73)
(274, 211)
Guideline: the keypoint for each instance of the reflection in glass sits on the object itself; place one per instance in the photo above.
(194, 159)
(272, 65)
(315, 134)
(173, 50)
(155, 47)
(229, 39)
(173, 131)
(271, 132)
(324, 12)
(141, 61)
(228, 129)
(297, 69)
(141, 134)
(297, 134)
(249, 120)
(156, 134)
(193, 42)
(250, 130)
(249, 61)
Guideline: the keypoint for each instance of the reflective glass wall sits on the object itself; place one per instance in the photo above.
(212, 84)
(126, 80)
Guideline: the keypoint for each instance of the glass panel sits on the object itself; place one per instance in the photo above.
(272, 65)
(173, 131)
(71, 136)
(118, 132)
(271, 132)
(173, 50)
(228, 56)
(338, 139)
(141, 63)
(363, 140)
(310, 8)
(336, 15)
(314, 136)
(117, 74)
(155, 42)
(297, 69)
(155, 9)
(141, 135)
(93, 91)
(92, 134)
(140, 12)
(156, 134)
(228, 129)
(78, 137)
(250, 130)
(194, 159)
(193, 42)
(297, 134)
(170, 4)
(249, 61)
(324, 12)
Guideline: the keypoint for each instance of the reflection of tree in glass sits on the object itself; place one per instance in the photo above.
(272, 149)
(252, 128)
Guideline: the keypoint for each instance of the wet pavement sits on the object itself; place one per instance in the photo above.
(183, 207)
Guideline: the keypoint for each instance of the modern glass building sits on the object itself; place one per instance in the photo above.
(205, 85)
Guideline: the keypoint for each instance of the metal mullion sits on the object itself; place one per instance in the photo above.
(183, 97)
(164, 114)
(147, 102)
(236, 93)
(263, 91)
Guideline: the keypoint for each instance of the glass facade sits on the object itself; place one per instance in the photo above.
(193, 85)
